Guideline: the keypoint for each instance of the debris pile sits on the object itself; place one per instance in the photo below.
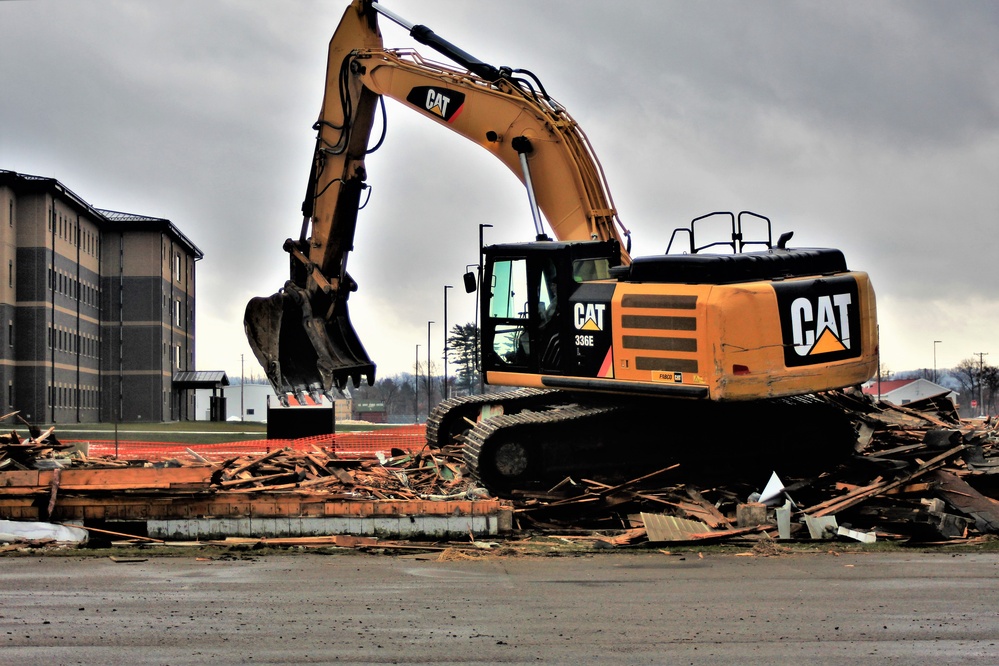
(23, 453)
(915, 472)
(424, 475)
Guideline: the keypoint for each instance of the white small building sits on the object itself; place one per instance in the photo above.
(249, 403)
(903, 391)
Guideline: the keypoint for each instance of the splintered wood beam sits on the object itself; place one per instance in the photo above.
(635, 482)
(255, 479)
(861, 494)
(256, 461)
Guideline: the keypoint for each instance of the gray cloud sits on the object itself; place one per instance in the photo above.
(873, 127)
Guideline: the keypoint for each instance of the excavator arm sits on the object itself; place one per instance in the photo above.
(526, 130)
(302, 335)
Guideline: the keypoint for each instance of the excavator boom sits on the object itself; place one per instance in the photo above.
(302, 335)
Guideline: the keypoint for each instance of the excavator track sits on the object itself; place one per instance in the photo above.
(454, 416)
(533, 448)
(549, 436)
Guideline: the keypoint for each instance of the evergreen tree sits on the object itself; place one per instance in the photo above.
(463, 351)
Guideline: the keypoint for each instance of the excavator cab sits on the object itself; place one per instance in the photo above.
(528, 311)
(744, 326)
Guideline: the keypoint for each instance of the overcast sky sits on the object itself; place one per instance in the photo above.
(868, 126)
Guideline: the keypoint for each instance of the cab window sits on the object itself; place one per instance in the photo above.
(584, 270)
(508, 299)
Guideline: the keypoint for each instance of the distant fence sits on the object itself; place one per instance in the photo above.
(410, 439)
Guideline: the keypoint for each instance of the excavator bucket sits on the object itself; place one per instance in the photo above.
(300, 352)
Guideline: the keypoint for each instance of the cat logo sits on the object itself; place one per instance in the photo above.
(589, 316)
(821, 326)
(443, 103)
(820, 320)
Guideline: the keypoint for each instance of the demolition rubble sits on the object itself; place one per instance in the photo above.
(916, 474)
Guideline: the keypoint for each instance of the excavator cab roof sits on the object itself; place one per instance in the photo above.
(609, 249)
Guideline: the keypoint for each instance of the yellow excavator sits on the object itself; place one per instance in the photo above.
(617, 360)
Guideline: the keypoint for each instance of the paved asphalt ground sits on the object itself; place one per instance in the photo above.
(649, 608)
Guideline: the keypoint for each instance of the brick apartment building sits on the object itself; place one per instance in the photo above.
(96, 309)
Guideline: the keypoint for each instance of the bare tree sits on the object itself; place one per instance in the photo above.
(884, 372)
(990, 378)
(922, 373)
(966, 374)
(979, 381)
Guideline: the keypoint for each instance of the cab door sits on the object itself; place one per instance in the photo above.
(506, 334)
(523, 324)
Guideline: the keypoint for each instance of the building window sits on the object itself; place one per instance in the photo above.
(10, 393)
(10, 272)
(10, 332)
(176, 267)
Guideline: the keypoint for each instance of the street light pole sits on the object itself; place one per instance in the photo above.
(935, 343)
(416, 386)
(444, 393)
(981, 382)
(429, 385)
(478, 333)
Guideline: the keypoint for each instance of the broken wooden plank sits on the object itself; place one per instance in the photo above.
(963, 497)
(714, 517)
(56, 475)
(196, 456)
(231, 483)
(639, 480)
(867, 492)
(121, 534)
(256, 461)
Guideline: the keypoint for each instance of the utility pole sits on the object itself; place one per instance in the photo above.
(877, 351)
(242, 380)
(444, 392)
(981, 381)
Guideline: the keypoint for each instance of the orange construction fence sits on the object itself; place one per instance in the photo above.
(410, 439)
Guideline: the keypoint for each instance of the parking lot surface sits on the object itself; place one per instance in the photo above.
(648, 608)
